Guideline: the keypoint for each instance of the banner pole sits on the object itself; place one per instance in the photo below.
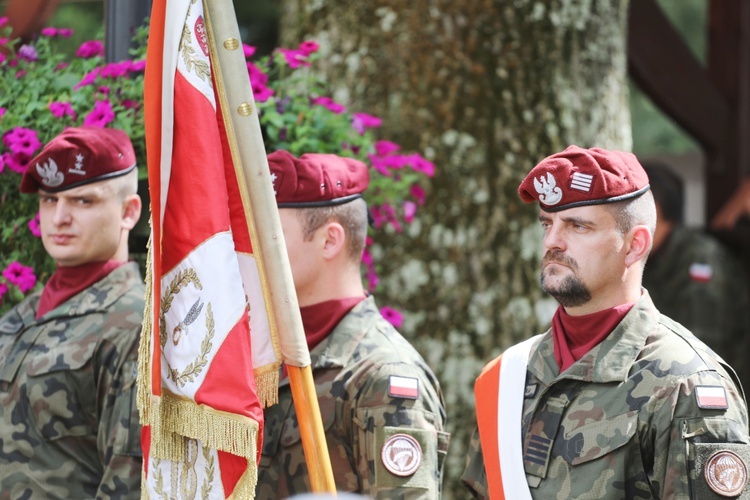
(248, 153)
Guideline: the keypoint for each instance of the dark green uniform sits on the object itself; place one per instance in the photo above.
(636, 417)
(68, 419)
(695, 281)
(356, 368)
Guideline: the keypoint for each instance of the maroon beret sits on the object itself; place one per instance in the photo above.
(78, 156)
(316, 180)
(578, 176)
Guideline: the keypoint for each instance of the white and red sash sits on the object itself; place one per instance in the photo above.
(501, 385)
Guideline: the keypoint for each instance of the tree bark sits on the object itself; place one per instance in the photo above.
(485, 89)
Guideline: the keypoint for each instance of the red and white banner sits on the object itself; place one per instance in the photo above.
(207, 341)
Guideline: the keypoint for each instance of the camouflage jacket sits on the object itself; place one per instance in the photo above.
(355, 368)
(630, 419)
(695, 281)
(68, 419)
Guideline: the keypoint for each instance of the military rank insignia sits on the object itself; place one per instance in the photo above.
(401, 455)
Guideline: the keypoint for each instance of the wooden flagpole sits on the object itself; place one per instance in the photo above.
(246, 142)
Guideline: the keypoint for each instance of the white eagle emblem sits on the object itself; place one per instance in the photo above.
(50, 175)
(549, 193)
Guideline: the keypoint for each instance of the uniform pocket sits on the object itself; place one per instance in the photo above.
(596, 439)
(61, 392)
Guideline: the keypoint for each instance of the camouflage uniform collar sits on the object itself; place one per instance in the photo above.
(338, 347)
(98, 297)
(612, 359)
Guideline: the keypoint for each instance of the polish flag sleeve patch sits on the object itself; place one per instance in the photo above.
(403, 387)
(711, 397)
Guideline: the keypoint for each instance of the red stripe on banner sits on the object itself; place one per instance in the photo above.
(152, 110)
(197, 200)
(486, 393)
(232, 467)
(146, 448)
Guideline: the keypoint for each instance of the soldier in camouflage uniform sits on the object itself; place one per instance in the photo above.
(381, 405)
(619, 401)
(68, 354)
(694, 279)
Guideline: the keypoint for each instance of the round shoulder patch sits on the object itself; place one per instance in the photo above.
(726, 473)
(401, 455)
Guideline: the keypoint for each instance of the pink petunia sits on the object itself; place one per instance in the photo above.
(49, 31)
(418, 193)
(3, 289)
(261, 93)
(22, 140)
(137, 66)
(103, 90)
(115, 70)
(3, 21)
(379, 165)
(420, 164)
(62, 65)
(257, 76)
(131, 104)
(248, 50)
(20, 74)
(392, 316)
(329, 103)
(28, 53)
(294, 58)
(2, 162)
(92, 48)
(2, 112)
(101, 115)
(2, 56)
(61, 109)
(362, 121)
(21, 276)
(35, 226)
(308, 47)
(64, 32)
(383, 148)
(88, 79)
(17, 162)
(410, 210)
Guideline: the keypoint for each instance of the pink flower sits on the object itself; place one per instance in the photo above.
(28, 53)
(392, 316)
(248, 50)
(49, 31)
(130, 104)
(363, 121)
(3, 287)
(257, 76)
(87, 79)
(2, 56)
(20, 74)
(35, 227)
(21, 276)
(22, 140)
(2, 112)
(418, 193)
(137, 66)
(17, 162)
(308, 47)
(372, 279)
(410, 210)
(64, 32)
(329, 103)
(61, 109)
(261, 93)
(62, 65)
(2, 163)
(3, 21)
(92, 48)
(101, 115)
(103, 90)
(115, 70)
(419, 164)
(294, 58)
(383, 148)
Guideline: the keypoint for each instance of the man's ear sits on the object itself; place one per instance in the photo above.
(335, 240)
(639, 243)
(131, 211)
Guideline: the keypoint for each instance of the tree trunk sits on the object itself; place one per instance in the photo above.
(485, 89)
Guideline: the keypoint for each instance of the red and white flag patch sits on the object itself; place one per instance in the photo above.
(712, 397)
(701, 272)
(403, 387)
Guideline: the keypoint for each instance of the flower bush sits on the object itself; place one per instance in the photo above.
(45, 91)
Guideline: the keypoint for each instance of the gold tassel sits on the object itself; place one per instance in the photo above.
(245, 488)
(267, 384)
(144, 348)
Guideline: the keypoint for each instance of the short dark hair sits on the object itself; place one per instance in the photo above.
(668, 189)
(351, 215)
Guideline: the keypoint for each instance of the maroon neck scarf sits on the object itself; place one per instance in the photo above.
(69, 281)
(320, 319)
(574, 336)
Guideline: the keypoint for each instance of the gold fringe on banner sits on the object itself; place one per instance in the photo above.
(144, 348)
(267, 384)
(224, 431)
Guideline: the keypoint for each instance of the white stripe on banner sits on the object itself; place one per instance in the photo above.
(510, 419)
(260, 329)
(215, 265)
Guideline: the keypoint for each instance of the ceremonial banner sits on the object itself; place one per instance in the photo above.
(208, 360)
